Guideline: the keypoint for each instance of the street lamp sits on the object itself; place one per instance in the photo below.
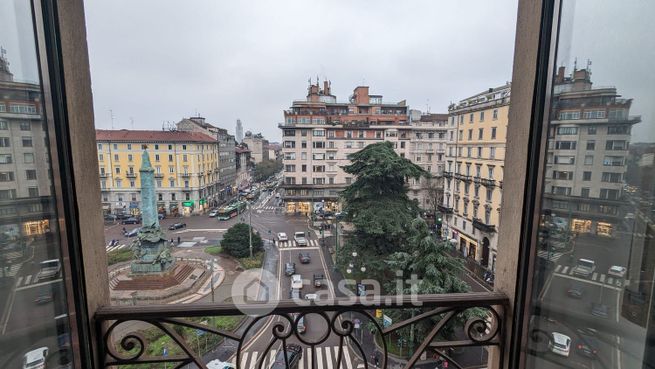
(250, 228)
(210, 266)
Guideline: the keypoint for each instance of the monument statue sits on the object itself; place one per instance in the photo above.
(152, 254)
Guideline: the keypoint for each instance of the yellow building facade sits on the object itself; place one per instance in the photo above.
(186, 170)
(475, 157)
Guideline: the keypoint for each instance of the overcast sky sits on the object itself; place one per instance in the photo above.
(155, 61)
(161, 60)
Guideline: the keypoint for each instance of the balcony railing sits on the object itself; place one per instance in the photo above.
(479, 224)
(159, 175)
(130, 175)
(463, 177)
(487, 182)
(445, 209)
(450, 321)
(447, 174)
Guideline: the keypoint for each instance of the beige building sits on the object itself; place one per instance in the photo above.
(257, 145)
(475, 159)
(186, 169)
(319, 133)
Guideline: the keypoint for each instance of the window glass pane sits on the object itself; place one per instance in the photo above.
(595, 259)
(33, 309)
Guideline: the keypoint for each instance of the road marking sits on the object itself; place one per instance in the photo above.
(244, 359)
(299, 248)
(558, 267)
(571, 271)
(20, 279)
(587, 281)
(594, 276)
(254, 359)
(28, 279)
(346, 356)
(271, 358)
(319, 358)
(201, 230)
(39, 284)
(564, 270)
(309, 358)
(602, 278)
(610, 280)
(328, 357)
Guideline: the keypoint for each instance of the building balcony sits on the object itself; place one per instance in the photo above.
(159, 175)
(447, 174)
(445, 209)
(476, 179)
(185, 175)
(477, 317)
(105, 175)
(130, 175)
(483, 227)
(463, 177)
(487, 182)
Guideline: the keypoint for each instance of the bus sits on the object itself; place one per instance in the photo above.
(231, 210)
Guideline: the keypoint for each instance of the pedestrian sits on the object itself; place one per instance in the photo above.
(124, 230)
(178, 240)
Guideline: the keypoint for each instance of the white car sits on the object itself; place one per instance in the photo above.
(300, 239)
(217, 364)
(311, 297)
(617, 271)
(35, 359)
(296, 281)
(49, 269)
(561, 344)
(282, 237)
(213, 213)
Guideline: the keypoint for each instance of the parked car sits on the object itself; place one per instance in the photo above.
(575, 291)
(587, 346)
(617, 271)
(318, 280)
(161, 216)
(304, 258)
(300, 239)
(296, 281)
(132, 220)
(213, 213)
(561, 344)
(584, 268)
(175, 226)
(110, 218)
(281, 237)
(121, 216)
(133, 232)
(302, 328)
(599, 310)
(289, 268)
(311, 297)
(48, 269)
(35, 359)
(294, 294)
(293, 355)
(217, 364)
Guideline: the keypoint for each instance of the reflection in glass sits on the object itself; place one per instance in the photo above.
(595, 260)
(33, 320)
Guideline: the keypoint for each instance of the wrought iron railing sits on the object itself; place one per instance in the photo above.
(449, 322)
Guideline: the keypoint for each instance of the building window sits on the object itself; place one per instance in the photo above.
(567, 130)
(588, 160)
(616, 145)
(6, 176)
(609, 194)
(129, 157)
(613, 161)
(493, 133)
(492, 153)
(584, 192)
(591, 145)
(482, 116)
(594, 114)
(569, 115)
(5, 142)
(115, 157)
(565, 145)
(28, 158)
(25, 126)
(132, 184)
(612, 177)
(591, 130)
(495, 114)
(470, 134)
(4, 125)
(27, 141)
(117, 170)
(30, 174)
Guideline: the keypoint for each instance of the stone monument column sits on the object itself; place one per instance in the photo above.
(148, 200)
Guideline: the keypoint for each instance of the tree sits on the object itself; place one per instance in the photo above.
(236, 241)
(434, 192)
(377, 203)
(437, 271)
(266, 169)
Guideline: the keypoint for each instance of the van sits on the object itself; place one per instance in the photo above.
(49, 269)
(584, 268)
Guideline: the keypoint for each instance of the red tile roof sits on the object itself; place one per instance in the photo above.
(129, 135)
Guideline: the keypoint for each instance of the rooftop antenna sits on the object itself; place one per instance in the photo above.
(588, 66)
(427, 106)
(132, 122)
(575, 64)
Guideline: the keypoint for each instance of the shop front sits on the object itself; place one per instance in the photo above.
(187, 207)
(36, 227)
(173, 209)
(581, 225)
(302, 207)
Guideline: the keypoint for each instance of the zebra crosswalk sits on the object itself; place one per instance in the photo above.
(552, 256)
(325, 357)
(293, 243)
(262, 207)
(596, 277)
(115, 248)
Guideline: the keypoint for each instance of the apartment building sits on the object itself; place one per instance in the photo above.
(243, 166)
(257, 145)
(25, 203)
(588, 154)
(226, 186)
(186, 169)
(473, 175)
(318, 134)
(427, 148)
